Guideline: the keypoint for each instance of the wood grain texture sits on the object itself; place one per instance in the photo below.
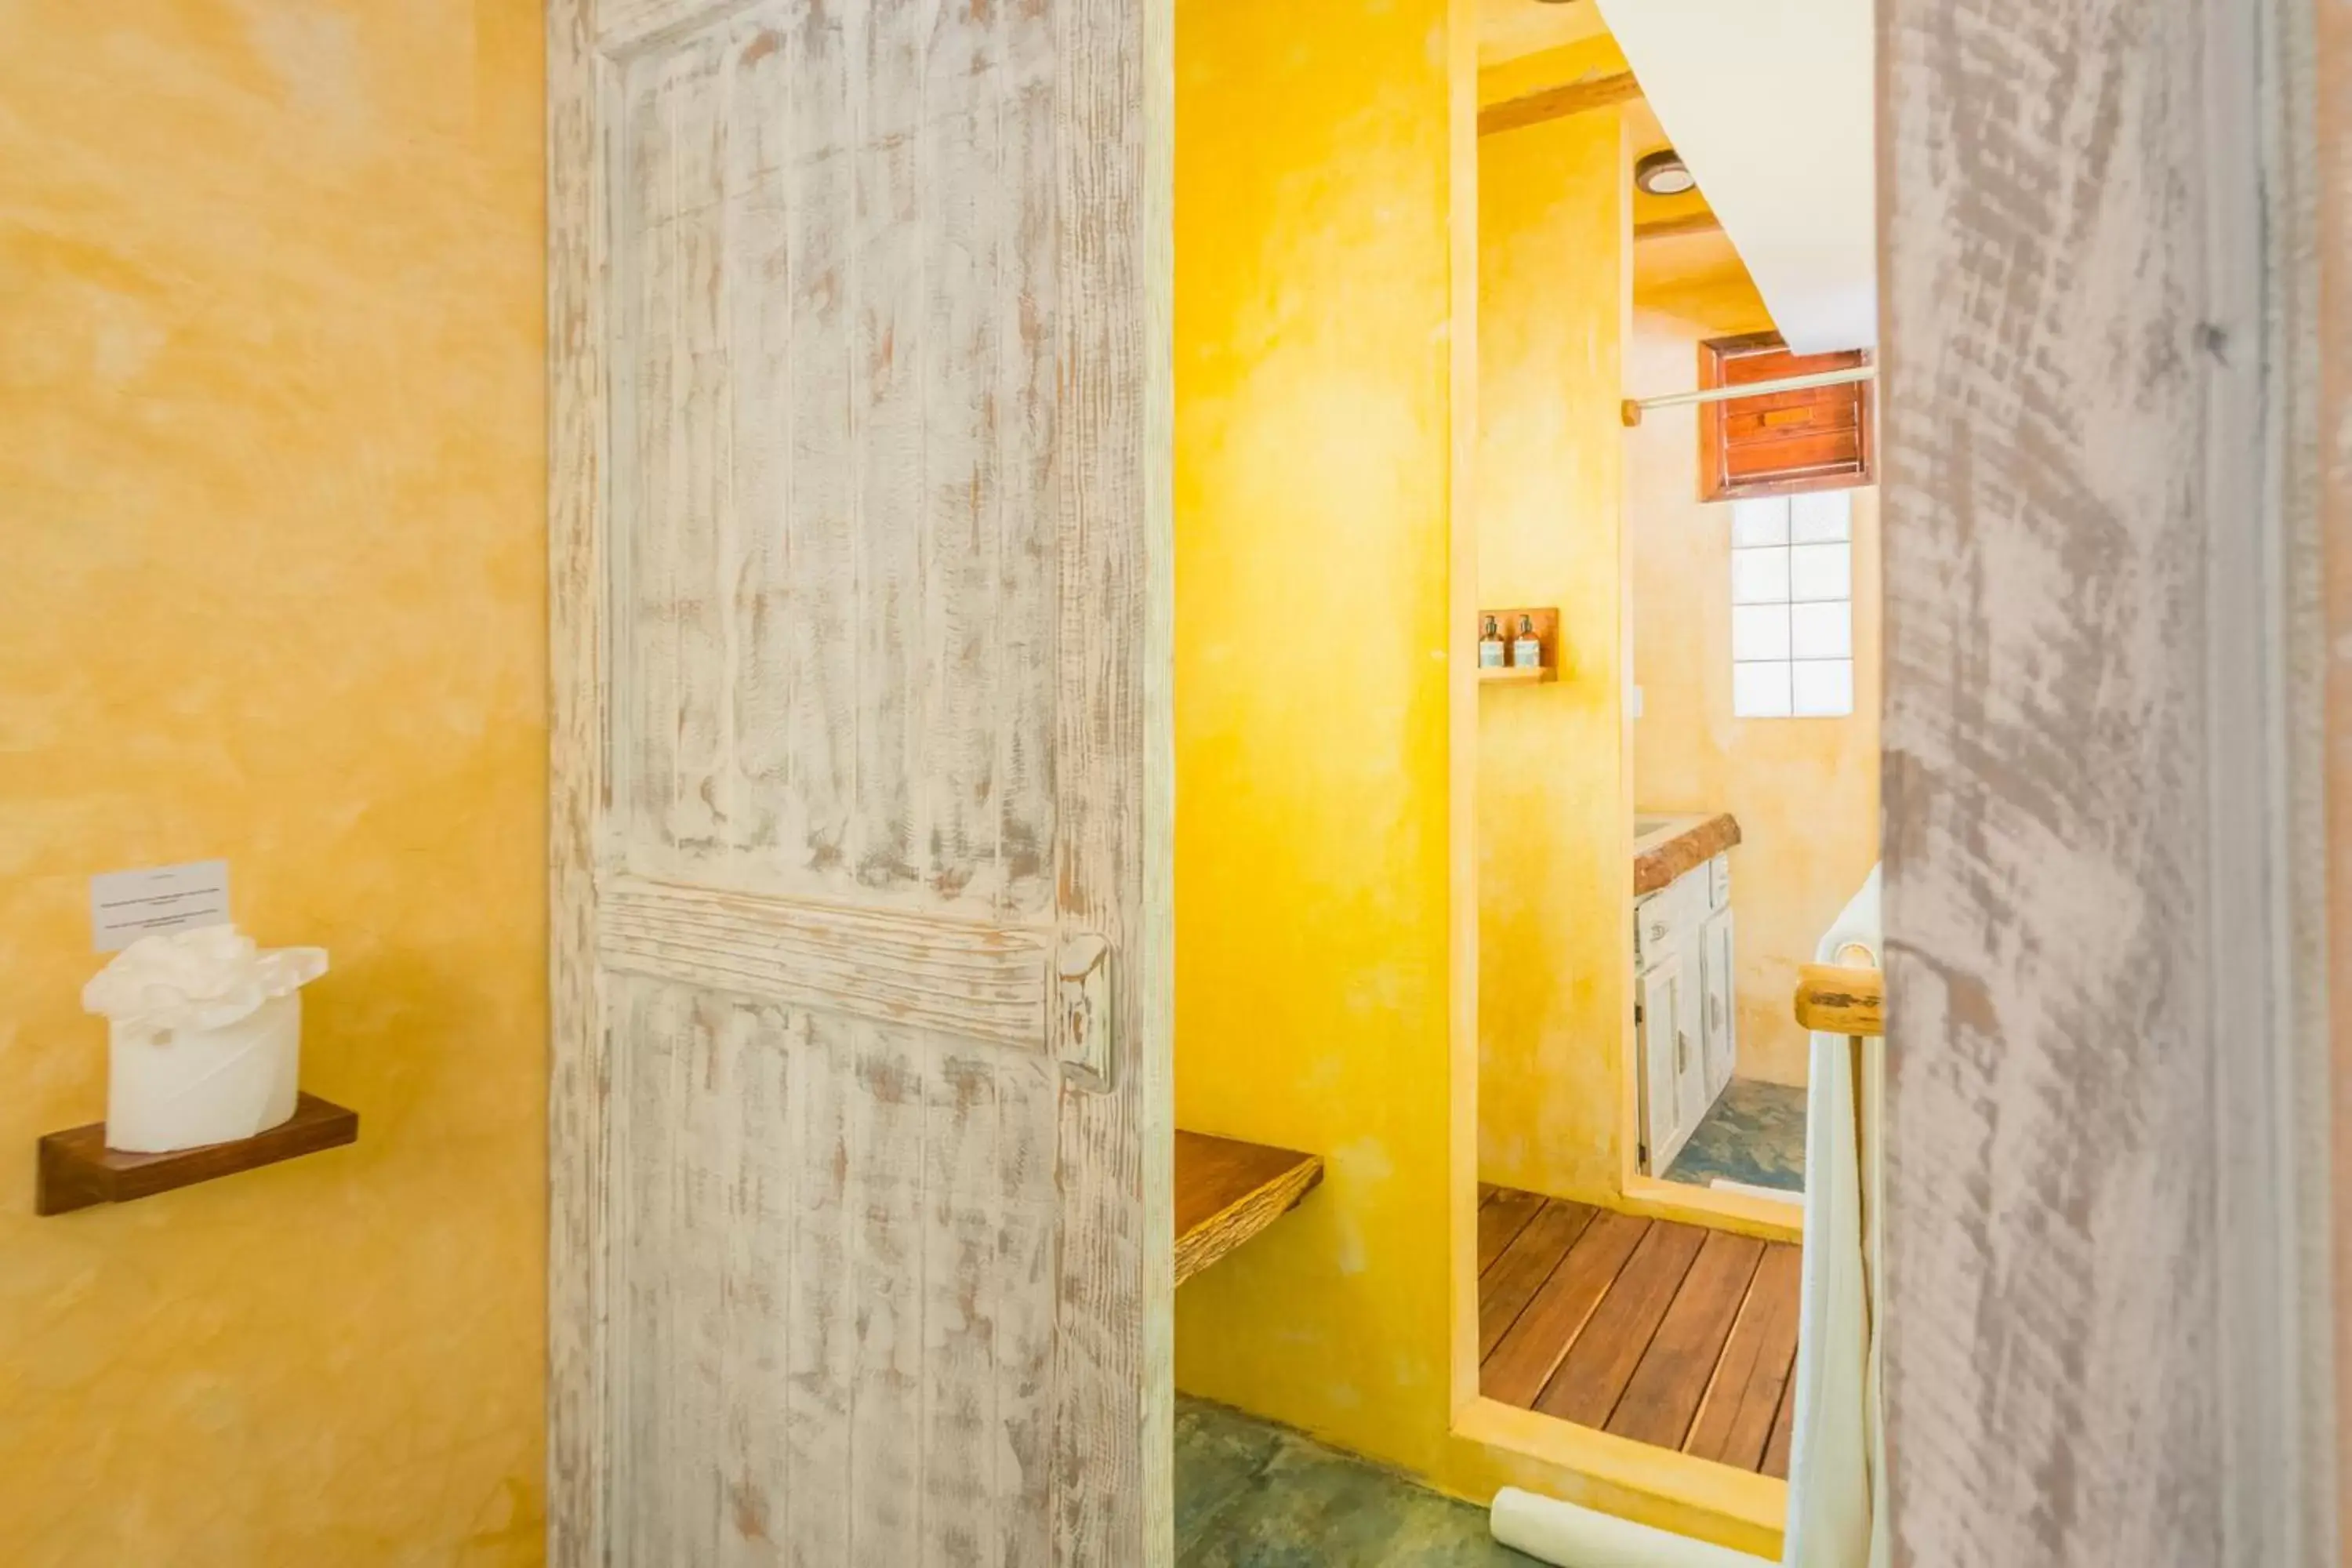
(579, 1428)
(946, 976)
(1698, 1363)
(2327, 369)
(1784, 1425)
(1503, 1213)
(2097, 1272)
(1594, 1372)
(859, 472)
(1523, 1361)
(1735, 1420)
(1113, 64)
(1674, 228)
(1555, 102)
(1523, 1267)
(1660, 864)
(1670, 1382)
(1782, 442)
(75, 1168)
(1840, 999)
(1227, 1190)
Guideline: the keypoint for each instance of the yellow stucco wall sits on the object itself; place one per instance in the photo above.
(1325, 244)
(1805, 790)
(272, 491)
(1586, 59)
(1555, 878)
(1312, 471)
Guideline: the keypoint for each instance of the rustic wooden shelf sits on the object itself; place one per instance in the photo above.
(1227, 1190)
(1544, 621)
(77, 1170)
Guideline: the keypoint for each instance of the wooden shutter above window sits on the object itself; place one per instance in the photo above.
(1817, 439)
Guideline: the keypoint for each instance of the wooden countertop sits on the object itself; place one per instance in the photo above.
(1684, 842)
(1227, 1190)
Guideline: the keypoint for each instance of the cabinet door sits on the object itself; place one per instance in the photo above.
(1654, 927)
(1718, 1020)
(1663, 1128)
(1692, 1094)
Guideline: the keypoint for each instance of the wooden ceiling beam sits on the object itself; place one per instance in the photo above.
(1556, 103)
(1668, 227)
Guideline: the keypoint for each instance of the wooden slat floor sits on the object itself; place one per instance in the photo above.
(1665, 1333)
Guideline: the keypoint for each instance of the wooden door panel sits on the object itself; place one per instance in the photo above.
(858, 494)
(951, 976)
(872, 1211)
(833, 419)
(2146, 1118)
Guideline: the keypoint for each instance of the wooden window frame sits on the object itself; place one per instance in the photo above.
(1714, 481)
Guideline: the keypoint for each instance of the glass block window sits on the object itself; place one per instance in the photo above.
(1793, 606)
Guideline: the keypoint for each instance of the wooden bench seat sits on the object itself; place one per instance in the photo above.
(1227, 1190)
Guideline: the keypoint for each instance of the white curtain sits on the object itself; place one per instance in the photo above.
(1837, 1458)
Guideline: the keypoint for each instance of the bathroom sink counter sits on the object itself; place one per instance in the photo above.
(1665, 846)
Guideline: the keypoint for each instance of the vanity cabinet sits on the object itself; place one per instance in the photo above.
(1685, 1040)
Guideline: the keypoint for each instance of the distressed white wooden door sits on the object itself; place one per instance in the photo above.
(860, 1231)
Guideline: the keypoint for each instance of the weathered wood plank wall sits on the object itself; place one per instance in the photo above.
(2103, 971)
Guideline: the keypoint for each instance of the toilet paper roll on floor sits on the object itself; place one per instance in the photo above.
(1560, 1532)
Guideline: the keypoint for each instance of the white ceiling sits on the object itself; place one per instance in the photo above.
(1769, 102)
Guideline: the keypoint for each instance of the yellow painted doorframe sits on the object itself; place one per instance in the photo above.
(1494, 1445)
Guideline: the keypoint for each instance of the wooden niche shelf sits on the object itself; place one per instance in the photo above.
(77, 1170)
(1545, 620)
(1228, 1190)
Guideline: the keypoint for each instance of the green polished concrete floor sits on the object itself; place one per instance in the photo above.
(1249, 1495)
(1755, 1134)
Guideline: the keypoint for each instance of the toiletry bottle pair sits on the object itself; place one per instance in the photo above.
(1525, 650)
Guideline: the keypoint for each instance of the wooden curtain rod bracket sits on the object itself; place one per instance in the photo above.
(1839, 1000)
(1630, 412)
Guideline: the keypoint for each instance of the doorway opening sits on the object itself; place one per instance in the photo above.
(1678, 774)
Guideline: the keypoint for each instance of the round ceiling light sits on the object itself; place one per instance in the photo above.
(1662, 174)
